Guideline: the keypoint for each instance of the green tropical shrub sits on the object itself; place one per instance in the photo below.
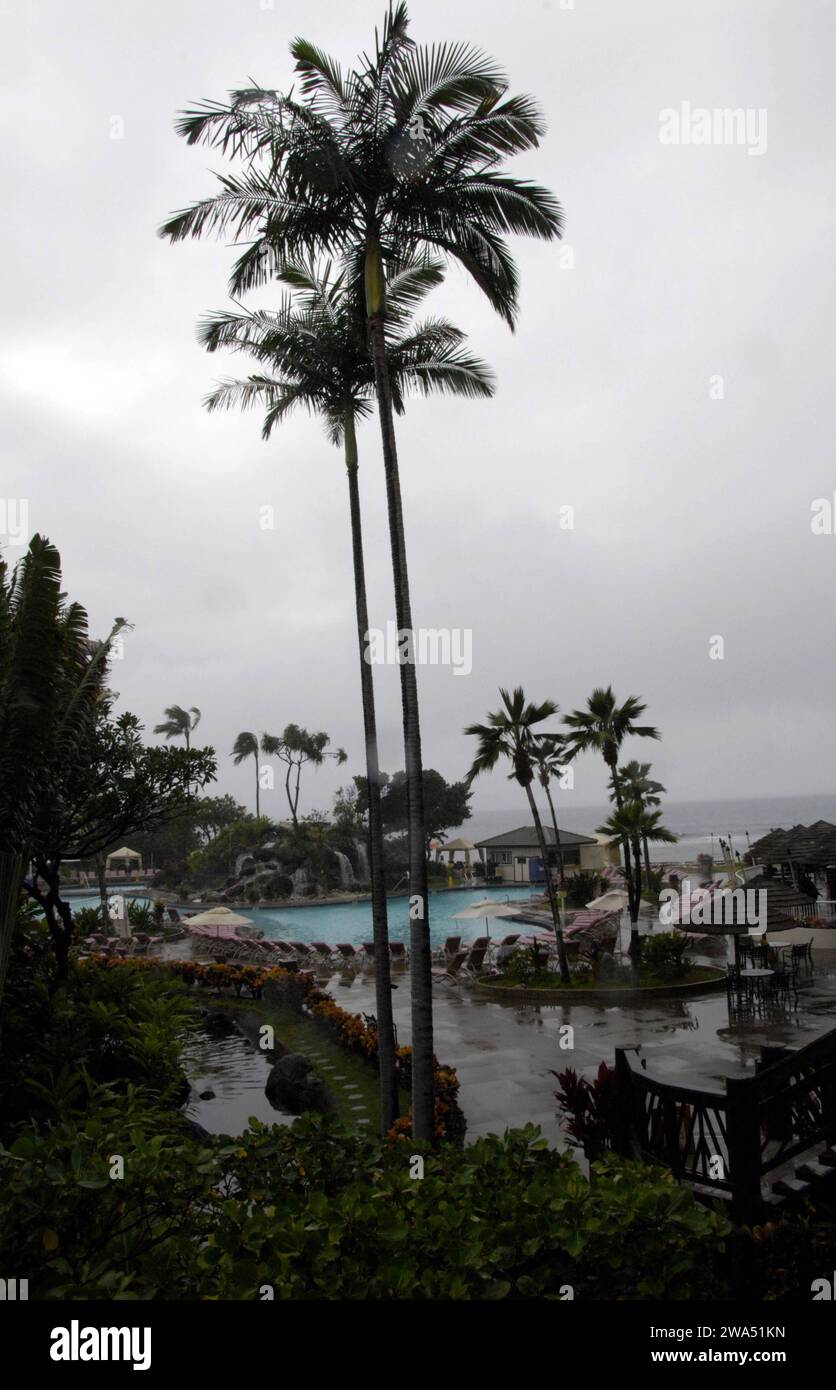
(314, 1212)
(664, 955)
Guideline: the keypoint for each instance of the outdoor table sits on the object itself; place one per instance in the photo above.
(755, 973)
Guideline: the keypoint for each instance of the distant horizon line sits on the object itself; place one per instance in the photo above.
(697, 800)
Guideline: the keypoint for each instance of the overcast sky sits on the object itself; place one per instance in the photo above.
(692, 514)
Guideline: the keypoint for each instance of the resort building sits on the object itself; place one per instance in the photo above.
(805, 856)
(514, 856)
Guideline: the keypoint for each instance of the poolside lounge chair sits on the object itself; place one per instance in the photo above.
(323, 949)
(450, 947)
(367, 949)
(475, 961)
(348, 953)
(398, 952)
(451, 972)
(302, 949)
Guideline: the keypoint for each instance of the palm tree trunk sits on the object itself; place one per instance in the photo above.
(12, 868)
(541, 840)
(628, 869)
(257, 788)
(423, 1078)
(635, 904)
(386, 1060)
(101, 878)
(646, 859)
(558, 845)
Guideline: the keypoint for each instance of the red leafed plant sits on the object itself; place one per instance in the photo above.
(589, 1108)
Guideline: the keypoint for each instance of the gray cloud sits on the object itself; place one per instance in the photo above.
(692, 515)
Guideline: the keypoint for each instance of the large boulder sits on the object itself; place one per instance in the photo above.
(293, 1085)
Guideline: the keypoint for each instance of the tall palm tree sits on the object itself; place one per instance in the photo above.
(628, 825)
(246, 746)
(509, 734)
(397, 158)
(602, 728)
(637, 785)
(179, 723)
(316, 347)
(549, 758)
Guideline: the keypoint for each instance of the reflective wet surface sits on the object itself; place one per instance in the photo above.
(224, 1062)
(504, 1053)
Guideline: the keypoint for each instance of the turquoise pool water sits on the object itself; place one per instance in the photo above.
(352, 922)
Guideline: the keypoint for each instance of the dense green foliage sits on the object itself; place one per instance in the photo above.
(315, 1212)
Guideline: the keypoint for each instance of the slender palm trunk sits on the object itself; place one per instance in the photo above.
(555, 907)
(101, 876)
(558, 845)
(635, 904)
(423, 1102)
(646, 859)
(628, 867)
(257, 788)
(12, 868)
(386, 1060)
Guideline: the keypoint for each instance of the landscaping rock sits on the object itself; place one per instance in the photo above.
(294, 1086)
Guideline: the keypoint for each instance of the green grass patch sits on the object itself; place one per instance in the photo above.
(300, 1034)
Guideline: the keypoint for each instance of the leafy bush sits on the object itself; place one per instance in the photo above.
(519, 966)
(87, 920)
(590, 1109)
(664, 955)
(315, 1212)
(140, 914)
(582, 887)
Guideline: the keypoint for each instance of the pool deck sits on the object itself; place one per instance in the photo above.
(504, 1053)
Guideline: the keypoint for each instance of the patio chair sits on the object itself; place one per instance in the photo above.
(451, 972)
(803, 950)
(303, 949)
(475, 961)
(449, 949)
(348, 953)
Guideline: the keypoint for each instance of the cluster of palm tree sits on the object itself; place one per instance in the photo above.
(354, 194)
(602, 728)
(511, 732)
(295, 747)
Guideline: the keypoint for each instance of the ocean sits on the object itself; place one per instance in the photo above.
(693, 821)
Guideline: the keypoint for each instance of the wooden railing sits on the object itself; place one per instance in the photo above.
(728, 1141)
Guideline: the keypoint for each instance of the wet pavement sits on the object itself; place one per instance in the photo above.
(504, 1053)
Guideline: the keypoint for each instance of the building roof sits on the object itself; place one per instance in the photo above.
(779, 892)
(805, 844)
(525, 837)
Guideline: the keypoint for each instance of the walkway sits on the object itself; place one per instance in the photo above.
(504, 1053)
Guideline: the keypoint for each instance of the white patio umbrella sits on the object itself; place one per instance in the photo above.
(485, 909)
(614, 900)
(223, 919)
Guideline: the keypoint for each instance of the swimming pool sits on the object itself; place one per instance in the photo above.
(352, 922)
